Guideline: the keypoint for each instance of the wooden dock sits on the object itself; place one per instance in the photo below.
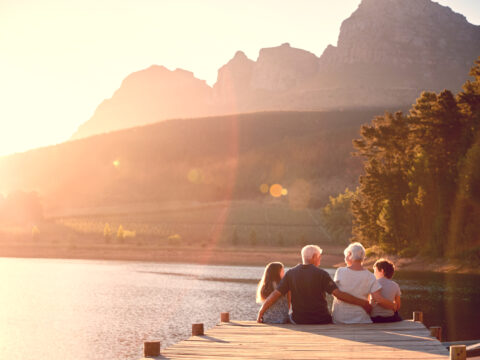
(250, 340)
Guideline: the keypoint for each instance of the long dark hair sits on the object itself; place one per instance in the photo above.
(270, 280)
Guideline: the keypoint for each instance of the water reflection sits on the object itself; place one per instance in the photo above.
(60, 309)
(451, 301)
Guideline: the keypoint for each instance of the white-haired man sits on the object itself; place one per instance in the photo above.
(308, 285)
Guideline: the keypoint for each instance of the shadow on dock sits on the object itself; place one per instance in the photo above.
(250, 340)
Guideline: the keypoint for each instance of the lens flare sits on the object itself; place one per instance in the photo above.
(193, 176)
(264, 188)
(284, 192)
(276, 190)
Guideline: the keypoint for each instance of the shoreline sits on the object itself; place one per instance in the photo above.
(233, 256)
(230, 256)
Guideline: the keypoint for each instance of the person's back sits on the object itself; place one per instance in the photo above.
(389, 290)
(384, 270)
(278, 312)
(360, 284)
(308, 285)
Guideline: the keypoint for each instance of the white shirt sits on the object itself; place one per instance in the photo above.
(360, 284)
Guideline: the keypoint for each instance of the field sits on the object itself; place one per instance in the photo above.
(232, 223)
(241, 232)
(234, 233)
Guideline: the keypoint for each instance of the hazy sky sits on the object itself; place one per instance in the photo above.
(60, 58)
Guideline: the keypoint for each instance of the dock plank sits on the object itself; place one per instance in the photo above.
(249, 340)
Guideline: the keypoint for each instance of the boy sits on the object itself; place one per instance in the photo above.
(383, 270)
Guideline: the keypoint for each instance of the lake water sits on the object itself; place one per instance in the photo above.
(78, 309)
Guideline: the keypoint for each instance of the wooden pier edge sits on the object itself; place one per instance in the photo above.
(197, 330)
(225, 317)
(151, 348)
(418, 316)
(436, 332)
(235, 340)
(458, 352)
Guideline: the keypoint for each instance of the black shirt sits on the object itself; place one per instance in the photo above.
(308, 285)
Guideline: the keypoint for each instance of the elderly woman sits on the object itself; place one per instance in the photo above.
(359, 282)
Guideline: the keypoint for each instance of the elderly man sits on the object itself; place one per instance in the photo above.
(308, 285)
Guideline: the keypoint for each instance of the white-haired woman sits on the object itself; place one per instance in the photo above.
(359, 282)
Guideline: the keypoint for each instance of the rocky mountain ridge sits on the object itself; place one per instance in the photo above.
(388, 52)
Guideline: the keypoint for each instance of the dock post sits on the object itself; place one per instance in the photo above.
(418, 316)
(436, 332)
(197, 329)
(458, 352)
(224, 317)
(151, 348)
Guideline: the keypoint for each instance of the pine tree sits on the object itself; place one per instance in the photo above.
(107, 232)
(421, 176)
(120, 233)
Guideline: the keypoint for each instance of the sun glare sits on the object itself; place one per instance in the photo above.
(193, 176)
(276, 190)
(264, 188)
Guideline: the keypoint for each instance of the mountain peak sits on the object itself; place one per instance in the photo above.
(388, 52)
(415, 7)
(407, 42)
(283, 67)
(147, 96)
(240, 55)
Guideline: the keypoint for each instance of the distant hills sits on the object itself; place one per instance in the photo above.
(287, 118)
(388, 52)
(197, 160)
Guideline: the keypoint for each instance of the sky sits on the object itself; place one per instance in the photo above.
(59, 59)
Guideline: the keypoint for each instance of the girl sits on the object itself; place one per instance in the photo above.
(278, 312)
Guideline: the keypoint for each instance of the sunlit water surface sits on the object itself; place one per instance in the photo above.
(79, 309)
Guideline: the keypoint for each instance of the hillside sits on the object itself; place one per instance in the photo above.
(204, 160)
(388, 52)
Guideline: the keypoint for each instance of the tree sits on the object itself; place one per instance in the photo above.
(338, 218)
(421, 178)
(107, 232)
(385, 145)
(120, 233)
(35, 232)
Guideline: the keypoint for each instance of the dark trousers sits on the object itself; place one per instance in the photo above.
(325, 319)
(387, 319)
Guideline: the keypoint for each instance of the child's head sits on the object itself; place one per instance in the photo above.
(271, 278)
(383, 267)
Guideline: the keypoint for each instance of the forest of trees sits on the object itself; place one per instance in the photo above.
(420, 189)
(204, 160)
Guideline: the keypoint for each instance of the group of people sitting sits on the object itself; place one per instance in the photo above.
(298, 295)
